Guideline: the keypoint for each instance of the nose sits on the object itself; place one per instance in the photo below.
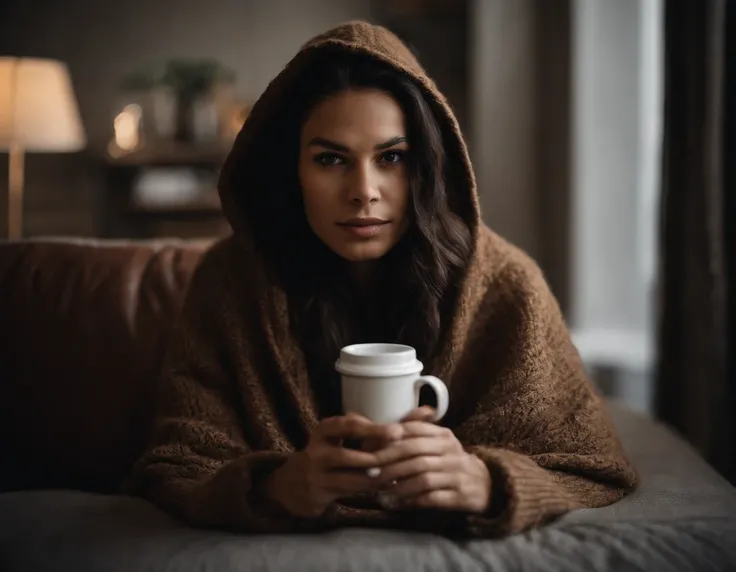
(363, 186)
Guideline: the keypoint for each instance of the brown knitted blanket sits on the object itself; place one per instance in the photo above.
(236, 398)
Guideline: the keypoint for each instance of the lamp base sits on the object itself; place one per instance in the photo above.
(16, 159)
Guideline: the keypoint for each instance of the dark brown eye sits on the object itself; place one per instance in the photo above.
(392, 157)
(328, 159)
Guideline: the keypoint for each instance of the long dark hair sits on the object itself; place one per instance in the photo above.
(418, 276)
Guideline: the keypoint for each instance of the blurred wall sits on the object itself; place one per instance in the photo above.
(101, 40)
(520, 129)
(505, 119)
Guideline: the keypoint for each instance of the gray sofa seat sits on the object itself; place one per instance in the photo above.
(683, 517)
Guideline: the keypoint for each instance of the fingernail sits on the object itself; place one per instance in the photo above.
(373, 472)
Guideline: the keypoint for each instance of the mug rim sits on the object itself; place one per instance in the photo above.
(394, 349)
(398, 359)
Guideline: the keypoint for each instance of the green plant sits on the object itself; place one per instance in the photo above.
(188, 77)
(191, 78)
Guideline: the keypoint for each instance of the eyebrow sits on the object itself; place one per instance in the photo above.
(326, 143)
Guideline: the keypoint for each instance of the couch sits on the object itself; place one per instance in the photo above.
(83, 327)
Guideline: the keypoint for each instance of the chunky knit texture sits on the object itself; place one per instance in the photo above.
(235, 399)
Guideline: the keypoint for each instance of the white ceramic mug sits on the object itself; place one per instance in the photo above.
(382, 382)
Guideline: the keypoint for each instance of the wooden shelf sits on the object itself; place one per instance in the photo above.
(170, 153)
(203, 208)
(127, 215)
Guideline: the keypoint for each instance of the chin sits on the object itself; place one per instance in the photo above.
(361, 253)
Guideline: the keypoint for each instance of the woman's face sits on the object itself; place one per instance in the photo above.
(353, 173)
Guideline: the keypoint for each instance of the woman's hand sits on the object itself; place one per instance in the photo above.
(431, 469)
(325, 471)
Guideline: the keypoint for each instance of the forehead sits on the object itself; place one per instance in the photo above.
(356, 118)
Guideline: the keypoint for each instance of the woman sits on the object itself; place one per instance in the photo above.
(355, 218)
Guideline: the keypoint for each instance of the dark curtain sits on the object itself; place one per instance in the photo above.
(696, 375)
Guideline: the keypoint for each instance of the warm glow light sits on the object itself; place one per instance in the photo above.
(127, 127)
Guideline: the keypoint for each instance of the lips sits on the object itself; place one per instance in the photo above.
(363, 221)
(364, 227)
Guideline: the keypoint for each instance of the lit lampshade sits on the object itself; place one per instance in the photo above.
(38, 113)
(38, 110)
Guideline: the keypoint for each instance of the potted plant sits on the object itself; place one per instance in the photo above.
(194, 83)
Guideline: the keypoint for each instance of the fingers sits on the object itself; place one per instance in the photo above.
(411, 429)
(332, 458)
(354, 426)
(424, 413)
(444, 499)
(425, 482)
(418, 447)
(417, 465)
(456, 486)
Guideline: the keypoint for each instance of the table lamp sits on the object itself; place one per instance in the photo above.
(38, 113)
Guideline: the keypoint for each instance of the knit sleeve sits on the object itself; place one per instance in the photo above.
(198, 465)
(538, 424)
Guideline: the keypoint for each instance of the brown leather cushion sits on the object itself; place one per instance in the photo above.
(83, 327)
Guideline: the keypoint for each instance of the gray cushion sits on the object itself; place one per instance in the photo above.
(675, 482)
(682, 518)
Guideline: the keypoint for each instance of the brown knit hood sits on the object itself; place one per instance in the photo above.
(240, 173)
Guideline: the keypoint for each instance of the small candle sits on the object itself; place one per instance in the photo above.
(126, 126)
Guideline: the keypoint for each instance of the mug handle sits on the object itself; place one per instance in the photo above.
(440, 390)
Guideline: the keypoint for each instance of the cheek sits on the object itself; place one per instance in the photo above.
(318, 190)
